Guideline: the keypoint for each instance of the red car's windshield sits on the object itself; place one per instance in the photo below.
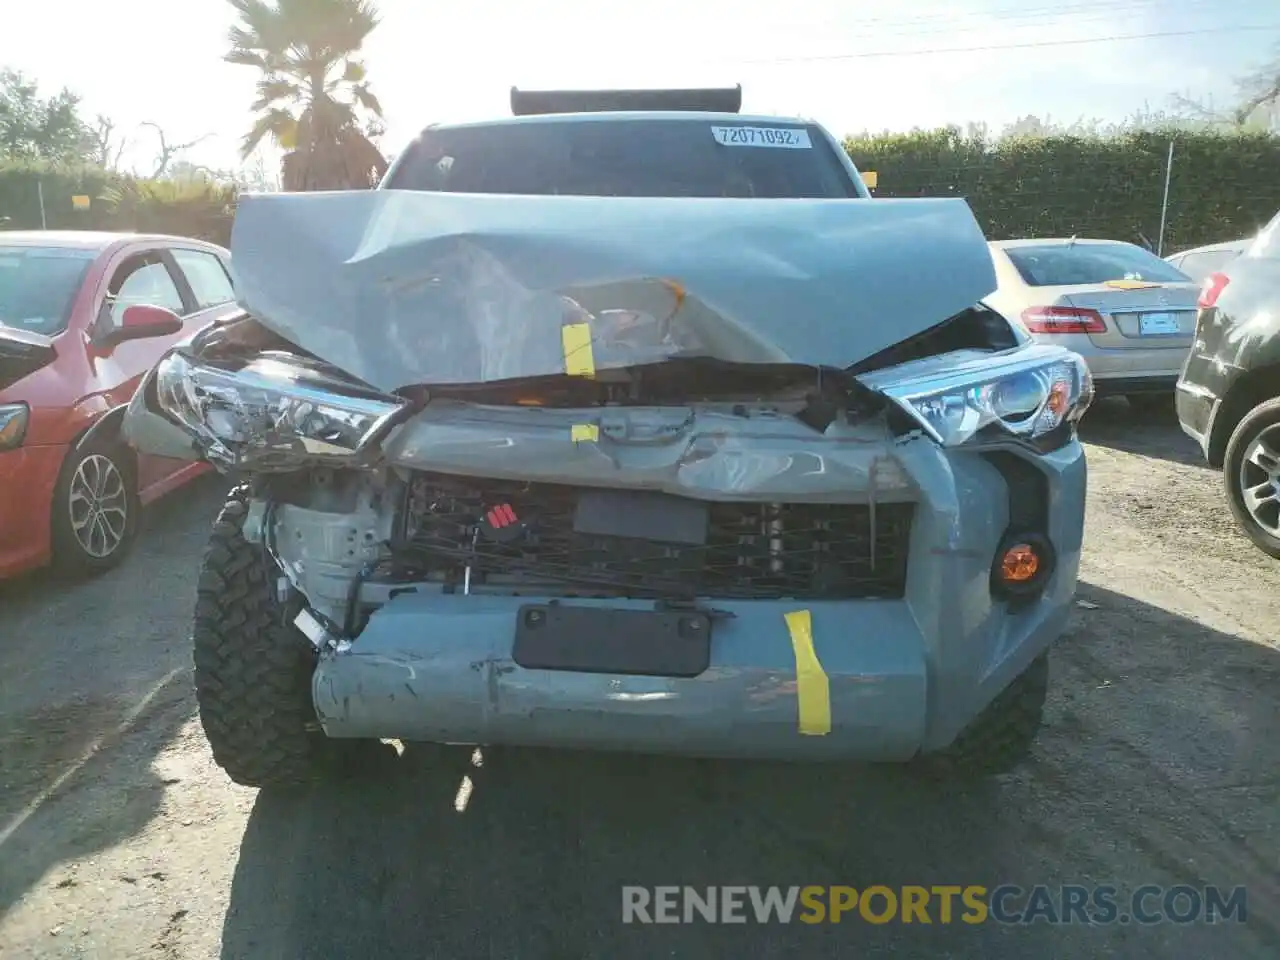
(38, 286)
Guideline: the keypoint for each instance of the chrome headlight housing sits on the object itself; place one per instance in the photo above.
(275, 412)
(1025, 393)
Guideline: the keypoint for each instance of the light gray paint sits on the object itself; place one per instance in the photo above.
(693, 451)
(904, 676)
(401, 288)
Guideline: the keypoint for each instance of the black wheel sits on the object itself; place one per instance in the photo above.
(1150, 403)
(1000, 737)
(1251, 474)
(253, 667)
(94, 516)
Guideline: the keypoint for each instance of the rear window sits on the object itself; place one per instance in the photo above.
(627, 158)
(1062, 264)
(38, 286)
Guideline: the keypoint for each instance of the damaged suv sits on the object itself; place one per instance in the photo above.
(639, 430)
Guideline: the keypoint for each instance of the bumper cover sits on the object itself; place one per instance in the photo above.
(27, 478)
(903, 676)
(1197, 408)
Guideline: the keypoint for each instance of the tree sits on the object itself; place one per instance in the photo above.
(169, 151)
(34, 128)
(314, 99)
(1261, 94)
(1257, 106)
(106, 146)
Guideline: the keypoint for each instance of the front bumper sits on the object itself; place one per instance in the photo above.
(1156, 367)
(27, 478)
(903, 676)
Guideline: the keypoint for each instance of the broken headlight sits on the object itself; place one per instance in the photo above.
(275, 411)
(1027, 393)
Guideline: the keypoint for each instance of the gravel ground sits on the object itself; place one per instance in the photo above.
(1159, 764)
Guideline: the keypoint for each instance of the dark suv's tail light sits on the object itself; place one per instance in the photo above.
(1214, 284)
(1063, 320)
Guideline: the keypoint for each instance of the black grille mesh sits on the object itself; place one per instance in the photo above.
(753, 550)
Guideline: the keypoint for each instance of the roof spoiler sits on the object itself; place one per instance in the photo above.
(526, 103)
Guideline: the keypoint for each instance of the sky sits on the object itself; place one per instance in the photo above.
(852, 65)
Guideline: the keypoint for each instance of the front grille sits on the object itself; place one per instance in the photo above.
(751, 550)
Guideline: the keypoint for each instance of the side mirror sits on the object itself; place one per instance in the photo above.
(142, 321)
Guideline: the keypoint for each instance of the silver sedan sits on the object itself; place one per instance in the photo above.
(1130, 314)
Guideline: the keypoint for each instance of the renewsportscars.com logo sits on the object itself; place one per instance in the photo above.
(972, 904)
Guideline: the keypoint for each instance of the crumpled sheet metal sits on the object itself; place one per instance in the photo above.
(403, 288)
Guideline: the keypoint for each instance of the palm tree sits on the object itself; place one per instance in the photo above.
(313, 98)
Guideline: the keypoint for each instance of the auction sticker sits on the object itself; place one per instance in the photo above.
(788, 138)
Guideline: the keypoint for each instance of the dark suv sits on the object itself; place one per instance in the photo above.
(1229, 391)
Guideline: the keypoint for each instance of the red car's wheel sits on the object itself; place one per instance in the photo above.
(95, 507)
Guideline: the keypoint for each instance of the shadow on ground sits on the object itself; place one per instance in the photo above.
(94, 682)
(112, 797)
(1112, 422)
(1152, 768)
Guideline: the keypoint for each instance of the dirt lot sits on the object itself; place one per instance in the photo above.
(1160, 764)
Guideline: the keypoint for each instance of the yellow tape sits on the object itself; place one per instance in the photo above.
(1129, 284)
(813, 692)
(578, 361)
(582, 432)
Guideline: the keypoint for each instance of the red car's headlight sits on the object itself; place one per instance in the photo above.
(13, 424)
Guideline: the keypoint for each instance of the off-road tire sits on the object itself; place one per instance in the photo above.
(69, 556)
(1254, 422)
(252, 666)
(1000, 738)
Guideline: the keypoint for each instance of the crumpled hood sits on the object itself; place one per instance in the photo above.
(403, 288)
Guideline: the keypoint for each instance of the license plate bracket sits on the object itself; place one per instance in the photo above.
(1157, 324)
(581, 639)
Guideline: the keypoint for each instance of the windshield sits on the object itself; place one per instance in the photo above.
(38, 285)
(1074, 264)
(627, 158)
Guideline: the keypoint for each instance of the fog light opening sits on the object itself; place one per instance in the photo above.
(1019, 564)
(1022, 566)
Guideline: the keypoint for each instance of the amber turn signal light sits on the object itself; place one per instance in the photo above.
(1020, 563)
(1022, 567)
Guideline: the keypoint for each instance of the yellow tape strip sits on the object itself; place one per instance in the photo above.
(813, 691)
(578, 361)
(582, 432)
(1129, 284)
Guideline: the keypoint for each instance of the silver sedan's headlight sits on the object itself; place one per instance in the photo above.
(271, 413)
(1027, 392)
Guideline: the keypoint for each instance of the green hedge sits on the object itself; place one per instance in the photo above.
(115, 202)
(1223, 186)
(21, 185)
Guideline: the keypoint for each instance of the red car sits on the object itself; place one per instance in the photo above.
(82, 317)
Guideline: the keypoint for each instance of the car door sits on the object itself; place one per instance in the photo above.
(146, 274)
(142, 275)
